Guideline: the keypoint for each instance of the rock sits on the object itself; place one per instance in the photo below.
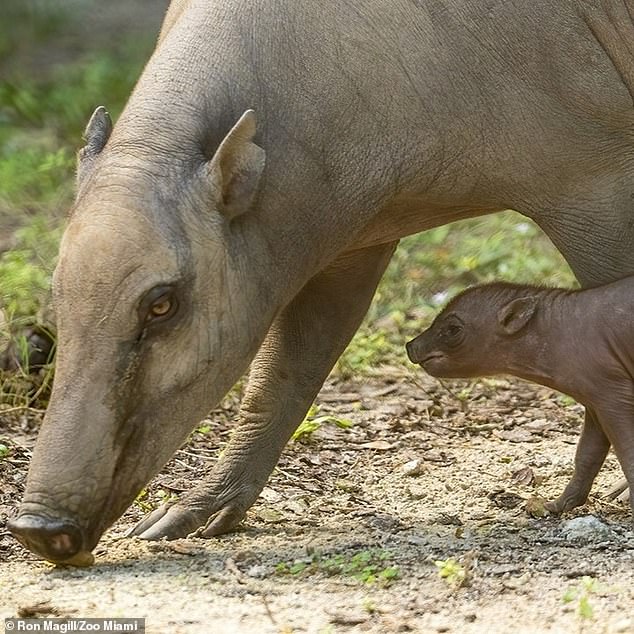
(413, 468)
(587, 528)
(514, 583)
(257, 571)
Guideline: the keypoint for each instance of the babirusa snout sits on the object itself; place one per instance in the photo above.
(413, 350)
(56, 540)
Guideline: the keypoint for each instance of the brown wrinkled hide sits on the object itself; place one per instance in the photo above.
(577, 342)
(206, 236)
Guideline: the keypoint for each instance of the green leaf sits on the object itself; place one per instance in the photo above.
(305, 428)
(585, 609)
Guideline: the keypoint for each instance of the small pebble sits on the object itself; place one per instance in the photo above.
(413, 468)
(513, 583)
(257, 571)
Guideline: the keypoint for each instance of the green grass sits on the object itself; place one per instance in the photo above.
(581, 597)
(312, 422)
(369, 567)
(62, 103)
(452, 572)
(26, 269)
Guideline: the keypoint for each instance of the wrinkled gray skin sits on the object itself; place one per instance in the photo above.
(375, 120)
(577, 342)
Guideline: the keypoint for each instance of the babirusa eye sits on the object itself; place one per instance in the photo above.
(452, 332)
(161, 307)
(159, 304)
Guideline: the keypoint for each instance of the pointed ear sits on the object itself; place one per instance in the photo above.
(96, 136)
(236, 168)
(513, 316)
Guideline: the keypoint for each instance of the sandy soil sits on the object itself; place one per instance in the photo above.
(346, 535)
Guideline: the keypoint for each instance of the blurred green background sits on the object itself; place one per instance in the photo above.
(60, 59)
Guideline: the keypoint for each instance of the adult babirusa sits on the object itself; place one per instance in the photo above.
(201, 242)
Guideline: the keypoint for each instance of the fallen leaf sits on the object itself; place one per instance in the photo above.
(44, 608)
(270, 495)
(523, 476)
(505, 499)
(536, 506)
(179, 546)
(379, 445)
(448, 519)
(503, 569)
(298, 506)
(515, 435)
(348, 618)
(270, 516)
(347, 485)
(540, 425)
(438, 456)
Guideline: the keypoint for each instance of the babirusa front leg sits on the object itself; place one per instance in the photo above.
(301, 348)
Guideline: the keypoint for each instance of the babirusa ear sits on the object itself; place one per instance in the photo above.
(513, 316)
(236, 167)
(96, 136)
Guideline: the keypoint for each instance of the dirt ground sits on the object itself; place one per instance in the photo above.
(346, 535)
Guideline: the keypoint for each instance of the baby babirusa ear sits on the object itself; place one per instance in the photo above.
(513, 316)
